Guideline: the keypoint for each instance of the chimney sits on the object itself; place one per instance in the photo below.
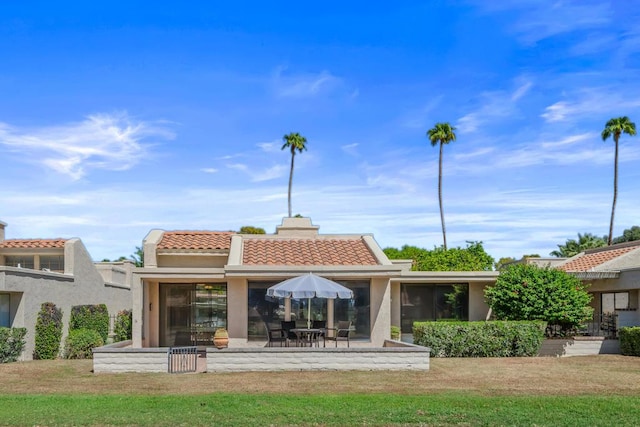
(297, 227)
(2, 226)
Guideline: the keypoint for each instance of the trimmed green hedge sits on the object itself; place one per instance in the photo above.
(48, 332)
(629, 341)
(94, 317)
(81, 342)
(122, 328)
(11, 343)
(480, 339)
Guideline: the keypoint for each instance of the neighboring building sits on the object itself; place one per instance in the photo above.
(34, 271)
(193, 282)
(613, 273)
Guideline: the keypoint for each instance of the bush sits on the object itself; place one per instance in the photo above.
(11, 343)
(529, 292)
(94, 317)
(48, 332)
(480, 339)
(80, 342)
(630, 341)
(122, 328)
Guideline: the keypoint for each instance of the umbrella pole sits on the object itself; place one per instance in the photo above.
(309, 314)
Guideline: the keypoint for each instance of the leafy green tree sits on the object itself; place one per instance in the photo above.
(529, 292)
(629, 235)
(573, 247)
(504, 261)
(295, 142)
(249, 229)
(614, 128)
(471, 258)
(442, 133)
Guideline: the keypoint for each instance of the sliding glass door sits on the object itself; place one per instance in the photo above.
(191, 313)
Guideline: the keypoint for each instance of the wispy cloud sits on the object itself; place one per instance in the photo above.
(307, 85)
(209, 170)
(590, 101)
(256, 175)
(101, 141)
(351, 149)
(270, 147)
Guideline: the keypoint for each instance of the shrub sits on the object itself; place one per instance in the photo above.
(480, 339)
(529, 292)
(11, 343)
(48, 332)
(94, 317)
(122, 327)
(630, 341)
(81, 342)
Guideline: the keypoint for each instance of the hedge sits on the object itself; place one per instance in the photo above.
(48, 332)
(94, 317)
(629, 341)
(122, 328)
(480, 339)
(81, 342)
(11, 343)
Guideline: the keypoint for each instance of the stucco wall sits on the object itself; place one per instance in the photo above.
(579, 346)
(380, 310)
(478, 308)
(81, 284)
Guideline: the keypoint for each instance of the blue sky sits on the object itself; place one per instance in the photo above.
(120, 117)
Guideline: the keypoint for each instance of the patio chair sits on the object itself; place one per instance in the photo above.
(286, 327)
(341, 333)
(275, 335)
(322, 325)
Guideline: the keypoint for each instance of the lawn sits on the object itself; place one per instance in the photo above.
(580, 391)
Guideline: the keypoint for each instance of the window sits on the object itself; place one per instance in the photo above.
(426, 302)
(52, 262)
(23, 261)
(263, 309)
(612, 301)
(5, 310)
(357, 310)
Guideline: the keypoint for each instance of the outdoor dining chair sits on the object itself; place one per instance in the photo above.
(322, 325)
(275, 335)
(287, 326)
(341, 333)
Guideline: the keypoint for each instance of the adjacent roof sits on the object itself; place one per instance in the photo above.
(594, 258)
(32, 243)
(196, 240)
(327, 251)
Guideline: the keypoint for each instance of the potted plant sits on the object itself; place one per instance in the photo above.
(221, 338)
(395, 333)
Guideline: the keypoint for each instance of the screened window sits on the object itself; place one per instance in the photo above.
(427, 302)
(23, 261)
(5, 310)
(612, 301)
(52, 263)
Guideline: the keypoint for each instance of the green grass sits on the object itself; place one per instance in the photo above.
(347, 409)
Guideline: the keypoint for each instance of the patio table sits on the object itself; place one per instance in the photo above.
(306, 336)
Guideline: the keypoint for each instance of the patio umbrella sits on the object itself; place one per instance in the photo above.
(309, 286)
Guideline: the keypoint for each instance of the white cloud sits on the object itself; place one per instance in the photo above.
(592, 101)
(256, 175)
(102, 141)
(351, 149)
(303, 85)
(270, 147)
(209, 170)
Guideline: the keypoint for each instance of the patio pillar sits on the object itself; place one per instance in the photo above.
(287, 309)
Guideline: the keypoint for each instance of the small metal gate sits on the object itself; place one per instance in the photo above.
(183, 359)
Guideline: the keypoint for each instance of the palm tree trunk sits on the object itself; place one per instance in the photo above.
(293, 155)
(615, 191)
(444, 233)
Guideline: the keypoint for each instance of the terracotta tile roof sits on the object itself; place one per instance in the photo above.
(595, 257)
(202, 240)
(306, 252)
(32, 243)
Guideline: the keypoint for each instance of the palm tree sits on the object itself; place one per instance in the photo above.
(295, 142)
(616, 127)
(442, 133)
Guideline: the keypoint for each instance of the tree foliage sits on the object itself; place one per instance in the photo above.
(471, 258)
(48, 332)
(628, 235)
(249, 229)
(573, 247)
(529, 292)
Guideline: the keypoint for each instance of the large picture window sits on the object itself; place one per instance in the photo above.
(356, 310)
(429, 302)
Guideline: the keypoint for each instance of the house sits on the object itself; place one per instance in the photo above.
(193, 282)
(613, 273)
(34, 271)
